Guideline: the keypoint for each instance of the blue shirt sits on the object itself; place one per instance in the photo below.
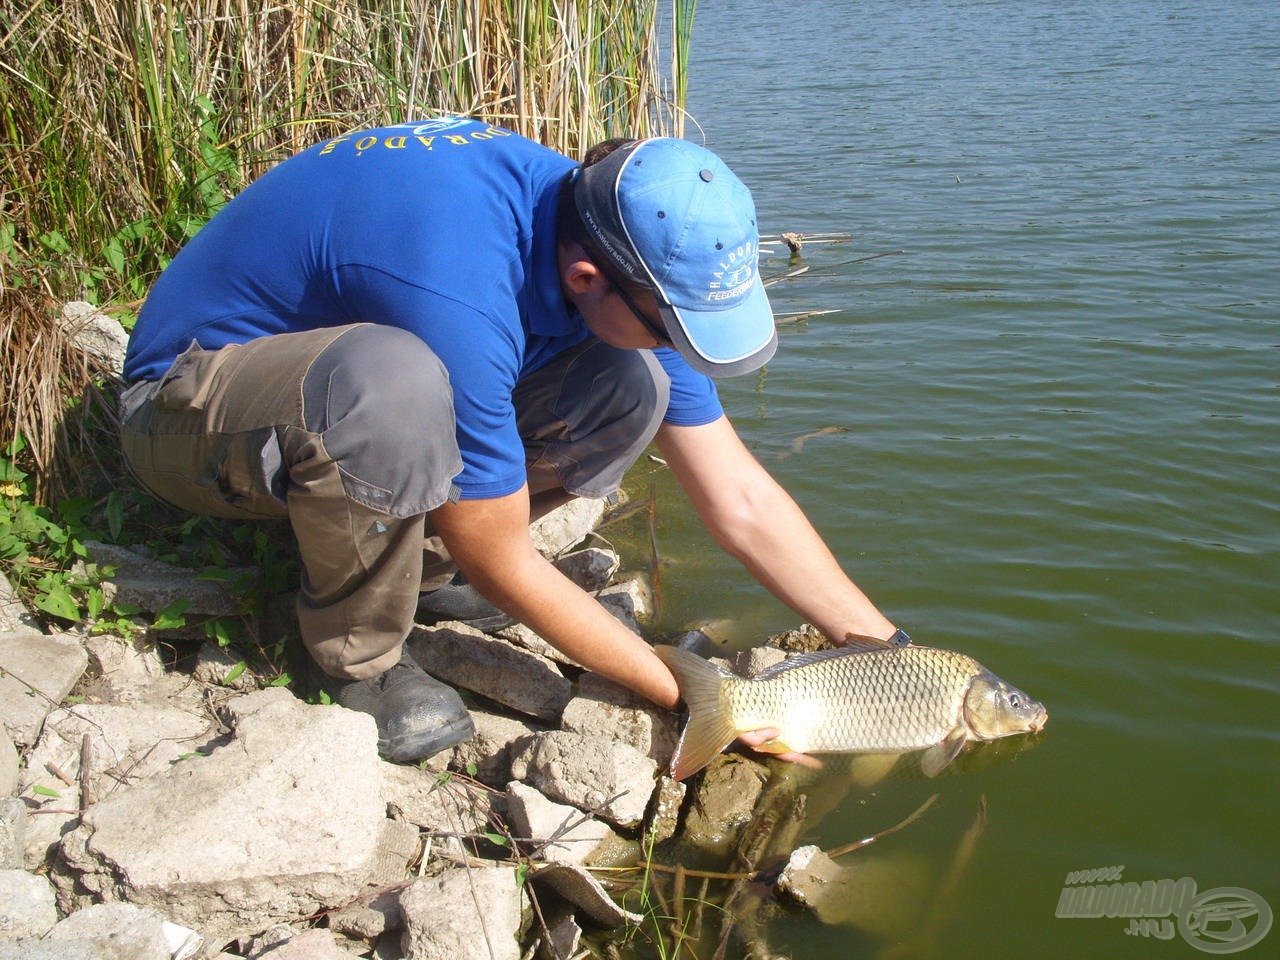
(445, 228)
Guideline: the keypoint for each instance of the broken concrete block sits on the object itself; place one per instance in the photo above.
(725, 799)
(287, 817)
(584, 891)
(753, 662)
(578, 836)
(591, 569)
(602, 777)
(37, 671)
(127, 743)
(489, 751)
(879, 895)
(629, 602)
(27, 907)
(525, 638)
(129, 671)
(217, 666)
(308, 945)
(370, 918)
(154, 586)
(603, 708)
(465, 657)
(465, 913)
(433, 802)
(666, 809)
(13, 832)
(100, 337)
(119, 929)
(566, 526)
(14, 615)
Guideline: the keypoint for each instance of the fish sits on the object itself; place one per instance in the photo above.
(867, 697)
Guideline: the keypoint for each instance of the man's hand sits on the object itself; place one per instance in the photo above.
(757, 739)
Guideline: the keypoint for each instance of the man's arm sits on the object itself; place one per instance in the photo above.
(489, 540)
(756, 521)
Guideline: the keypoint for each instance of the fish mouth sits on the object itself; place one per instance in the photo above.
(1041, 718)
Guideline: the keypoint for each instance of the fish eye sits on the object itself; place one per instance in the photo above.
(1015, 701)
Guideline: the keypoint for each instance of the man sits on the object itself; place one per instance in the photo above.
(419, 338)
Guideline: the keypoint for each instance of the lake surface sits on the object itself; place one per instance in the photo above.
(1060, 413)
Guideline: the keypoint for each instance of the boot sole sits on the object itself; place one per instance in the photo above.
(409, 748)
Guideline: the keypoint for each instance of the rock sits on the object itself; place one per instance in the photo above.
(309, 945)
(490, 749)
(119, 929)
(465, 913)
(369, 918)
(804, 639)
(51, 664)
(27, 907)
(666, 809)
(725, 800)
(9, 764)
(564, 935)
(566, 526)
(154, 586)
(127, 743)
(99, 336)
(602, 777)
(433, 802)
(880, 895)
(57, 950)
(14, 615)
(525, 638)
(584, 891)
(752, 662)
(579, 837)
(629, 602)
(128, 671)
(214, 664)
(286, 818)
(603, 708)
(591, 569)
(13, 832)
(465, 657)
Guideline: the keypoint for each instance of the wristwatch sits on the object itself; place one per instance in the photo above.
(900, 638)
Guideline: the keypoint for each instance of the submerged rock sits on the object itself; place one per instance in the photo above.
(725, 799)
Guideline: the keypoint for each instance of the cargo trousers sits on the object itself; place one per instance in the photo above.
(349, 433)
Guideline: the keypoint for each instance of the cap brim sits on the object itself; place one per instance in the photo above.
(724, 343)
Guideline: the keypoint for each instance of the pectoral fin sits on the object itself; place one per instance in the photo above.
(774, 746)
(938, 757)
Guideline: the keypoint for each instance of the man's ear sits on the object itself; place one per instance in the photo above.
(579, 272)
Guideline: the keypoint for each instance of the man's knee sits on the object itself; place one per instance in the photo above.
(381, 401)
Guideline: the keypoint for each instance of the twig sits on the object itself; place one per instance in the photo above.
(786, 276)
(785, 318)
(859, 844)
(87, 796)
(655, 576)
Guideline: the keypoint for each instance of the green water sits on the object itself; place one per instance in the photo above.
(1062, 404)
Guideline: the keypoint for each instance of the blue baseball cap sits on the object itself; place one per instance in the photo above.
(670, 216)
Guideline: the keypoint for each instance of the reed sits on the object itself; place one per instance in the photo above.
(125, 124)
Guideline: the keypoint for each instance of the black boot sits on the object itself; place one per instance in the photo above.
(417, 715)
(460, 601)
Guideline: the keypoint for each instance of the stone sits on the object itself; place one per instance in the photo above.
(591, 569)
(602, 777)
(465, 657)
(120, 929)
(603, 708)
(13, 832)
(584, 891)
(433, 802)
(665, 819)
(14, 615)
(99, 336)
(629, 602)
(525, 638)
(37, 671)
(464, 913)
(803, 639)
(578, 836)
(129, 671)
(154, 586)
(489, 751)
(214, 664)
(286, 816)
(754, 661)
(879, 895)
(127, 743)
(308, 945)
(564, 936)
(27, 905)
(9, 763)
(370, 917)
(725, 799)
(566, 526)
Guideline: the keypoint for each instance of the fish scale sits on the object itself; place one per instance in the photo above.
(879, 700)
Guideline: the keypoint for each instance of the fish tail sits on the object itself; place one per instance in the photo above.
(709, 729)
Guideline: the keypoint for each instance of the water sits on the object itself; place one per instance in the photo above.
(1063, 413)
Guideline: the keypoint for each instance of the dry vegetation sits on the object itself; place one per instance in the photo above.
(126, 124)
